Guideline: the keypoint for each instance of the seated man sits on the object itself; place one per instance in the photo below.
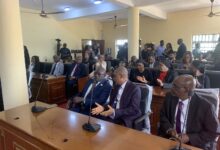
(151, 62)
(101, 91)
(124, 103)
(57, 67)
(141, 75)
(76, 71)
(188, 116)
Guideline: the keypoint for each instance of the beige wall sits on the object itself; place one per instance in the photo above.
(39, 33)
(178, 25)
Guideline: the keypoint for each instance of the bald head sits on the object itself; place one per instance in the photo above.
(183, 86)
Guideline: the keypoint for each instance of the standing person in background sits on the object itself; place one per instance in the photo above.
(57, 67)
(65, 53)
(33, 69)
(133, 62)
(27, 60)
(181, 50)
(168, 50)
(160, 49)
(123, 53)
(196, 52)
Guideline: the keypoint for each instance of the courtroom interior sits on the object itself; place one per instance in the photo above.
(109, 74)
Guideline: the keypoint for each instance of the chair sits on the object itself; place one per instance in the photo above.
(81, 83)
(214, 78)
(183, 71)
(143, 122)
(212, 96)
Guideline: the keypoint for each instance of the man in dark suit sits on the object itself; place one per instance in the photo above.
(124, 103)
(188, 116)
(76, 71)
(101, 89)
(181, 50)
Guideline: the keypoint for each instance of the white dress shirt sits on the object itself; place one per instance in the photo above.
(184, 114)
(120, 92)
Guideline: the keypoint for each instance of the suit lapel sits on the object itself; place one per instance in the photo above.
(122, 100)
(191, 111)
(173, 108)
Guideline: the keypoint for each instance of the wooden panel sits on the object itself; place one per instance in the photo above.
(52, 90)
(157, 102)
(2, 139)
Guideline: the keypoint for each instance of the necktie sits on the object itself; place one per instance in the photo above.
(74, 69)
(178, 117)
(116, 99)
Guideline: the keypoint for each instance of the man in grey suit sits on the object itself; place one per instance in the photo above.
(188, 116)
(124, 103)
(57, 67)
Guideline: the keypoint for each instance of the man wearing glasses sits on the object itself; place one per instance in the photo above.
(187, 116)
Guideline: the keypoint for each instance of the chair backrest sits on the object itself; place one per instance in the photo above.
(211, 95)
(214, 78)
(183, 71)
(146, 98)
(45, 67)
(81, 83)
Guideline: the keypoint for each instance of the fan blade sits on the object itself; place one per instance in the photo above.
(58, 12)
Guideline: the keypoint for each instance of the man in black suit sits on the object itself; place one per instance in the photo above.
(76, 71)
(188, 116)
(124, 103)
(181, 50)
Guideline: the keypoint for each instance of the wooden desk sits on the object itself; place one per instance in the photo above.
(20, 128)
(52, 90)
(157, 101)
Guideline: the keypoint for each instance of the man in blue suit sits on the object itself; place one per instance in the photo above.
(96, 90)
(77, 70)
(124, 105)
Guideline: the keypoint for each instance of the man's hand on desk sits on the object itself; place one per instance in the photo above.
(184, 138)
(97, 110)
(172, 133)
(108, 112)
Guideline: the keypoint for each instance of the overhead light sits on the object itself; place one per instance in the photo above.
(67, 9)
(97, 2)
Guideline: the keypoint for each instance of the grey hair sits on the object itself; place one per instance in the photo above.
(121, 71)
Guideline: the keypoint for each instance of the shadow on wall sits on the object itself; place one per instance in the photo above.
(1, 99)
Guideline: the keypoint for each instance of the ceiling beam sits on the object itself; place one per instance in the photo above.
(153, 12)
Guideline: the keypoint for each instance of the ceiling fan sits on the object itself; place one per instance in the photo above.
(118, 26)
(43, 13)
(211, 14)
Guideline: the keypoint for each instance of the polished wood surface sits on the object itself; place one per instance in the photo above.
(52, 90)
(157, 102)
(62, 129)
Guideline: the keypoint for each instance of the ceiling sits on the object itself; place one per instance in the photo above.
(108, 8)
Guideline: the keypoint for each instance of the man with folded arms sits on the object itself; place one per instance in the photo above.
(187, 116)
(124, 103)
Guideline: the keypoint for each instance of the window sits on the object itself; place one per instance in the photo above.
(118, 44)
(207, 41)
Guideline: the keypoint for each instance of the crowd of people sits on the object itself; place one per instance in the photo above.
(115, 97)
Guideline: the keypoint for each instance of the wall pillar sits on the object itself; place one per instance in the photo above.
(133, 32)
(12, 64)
